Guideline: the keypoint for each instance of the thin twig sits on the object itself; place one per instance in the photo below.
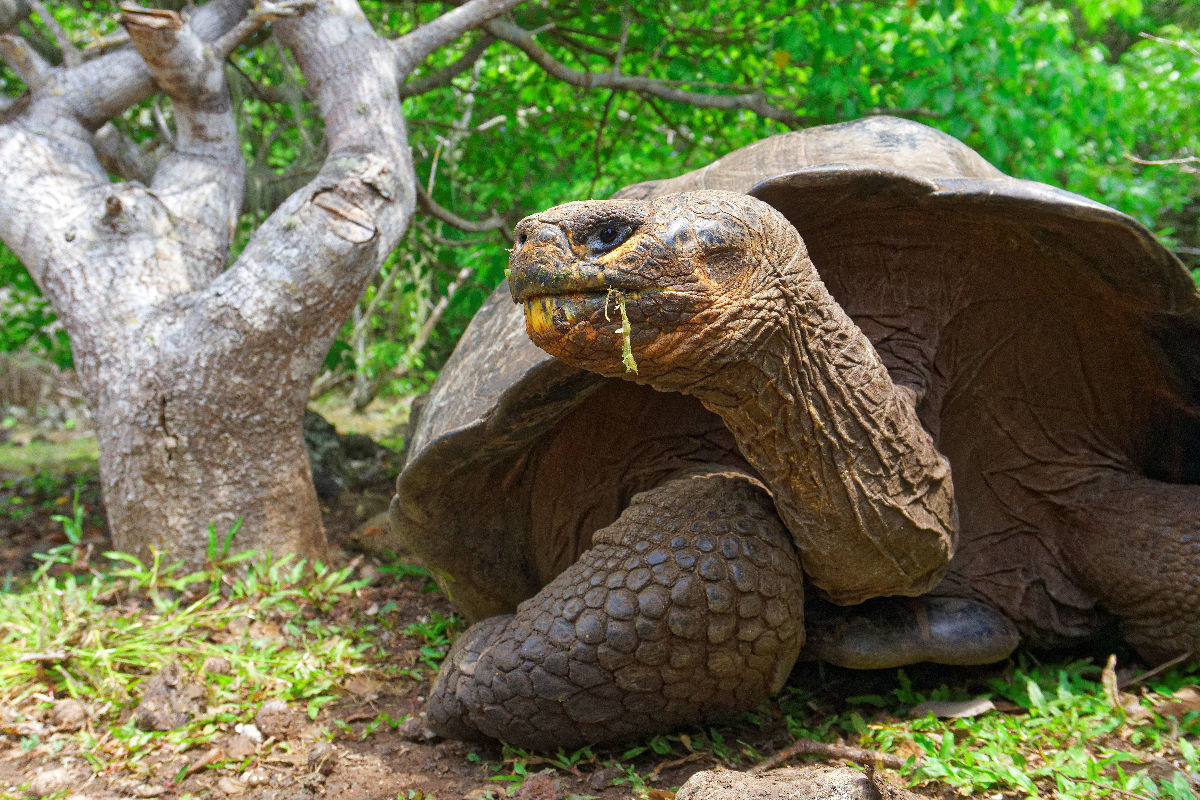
(751, 101)
(599, 140)
(811, 747)
(695, 755)
(1172, 42)
(404, 365)
(1150, 673)
(428, 205)
(1181, 162)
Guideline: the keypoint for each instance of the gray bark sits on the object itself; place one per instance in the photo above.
(197, 370)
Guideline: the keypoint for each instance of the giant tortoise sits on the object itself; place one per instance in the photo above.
(727, 440)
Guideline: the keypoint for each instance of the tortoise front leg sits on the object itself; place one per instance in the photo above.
(687, 608)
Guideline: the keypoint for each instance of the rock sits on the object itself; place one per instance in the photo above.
(376, 538)
(250, 731)
(230, 785)
(815, 782)
(68, 714)
(322, 758)
(416, 729)
(240, 746)
(169, 700)
(539, 786)
(276, 718)
(49, 781)
(953, 709)
(216, 665)
(601, 779)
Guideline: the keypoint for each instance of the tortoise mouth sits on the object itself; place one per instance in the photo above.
(551, 313)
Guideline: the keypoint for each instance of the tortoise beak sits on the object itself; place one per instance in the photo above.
(542, 263)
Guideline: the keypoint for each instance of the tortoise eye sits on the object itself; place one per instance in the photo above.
(607, 235)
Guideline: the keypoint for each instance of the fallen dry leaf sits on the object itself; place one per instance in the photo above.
(953, 709)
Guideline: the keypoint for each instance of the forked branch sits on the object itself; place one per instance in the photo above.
(412, 48)
(305, 266)
(201, 181)
(429, 206)
(443, 76)
(527, 43)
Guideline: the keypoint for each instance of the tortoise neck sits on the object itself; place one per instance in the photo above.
(852, 471)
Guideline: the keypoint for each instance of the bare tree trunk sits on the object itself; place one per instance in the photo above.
(191, 438)
(198, 371)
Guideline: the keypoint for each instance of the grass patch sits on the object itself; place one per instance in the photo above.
(73, 455)
(1059, 731)
(72, 630)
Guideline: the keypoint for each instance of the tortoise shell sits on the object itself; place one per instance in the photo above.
(1037, 328)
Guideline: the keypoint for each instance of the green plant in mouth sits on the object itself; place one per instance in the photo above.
(626, 330)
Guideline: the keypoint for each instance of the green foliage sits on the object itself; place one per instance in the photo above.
(27, 323)
(1063, 734)
(99, 634)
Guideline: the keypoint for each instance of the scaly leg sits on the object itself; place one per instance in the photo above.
(687, 608)
(1135, 544)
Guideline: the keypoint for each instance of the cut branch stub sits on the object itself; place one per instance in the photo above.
(188, 71)
(201, 181)
(347, 220)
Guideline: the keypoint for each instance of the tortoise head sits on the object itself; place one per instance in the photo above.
(673, 288)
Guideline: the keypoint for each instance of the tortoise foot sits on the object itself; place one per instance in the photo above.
(894, 631)
(687, 608)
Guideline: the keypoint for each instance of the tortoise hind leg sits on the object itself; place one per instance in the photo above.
(1135, 545)
(687, 608)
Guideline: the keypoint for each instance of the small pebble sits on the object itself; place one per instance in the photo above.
(49, 781)
(250, 731)
(216, 665)
(230, 785)
(322, 758)
(258, 776)
(68, 714)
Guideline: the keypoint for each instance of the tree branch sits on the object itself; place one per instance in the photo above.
(121, 155)
(305, 266)
(264, 11)
(429, 206)
(70, 53)
(78, 234)
(752, 101)
(413, 47)
(12, 12)
(100, 89)
(19, 55)
(443, 76)
(201, 180)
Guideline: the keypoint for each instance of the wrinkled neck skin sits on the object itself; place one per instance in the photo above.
(854, 475)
